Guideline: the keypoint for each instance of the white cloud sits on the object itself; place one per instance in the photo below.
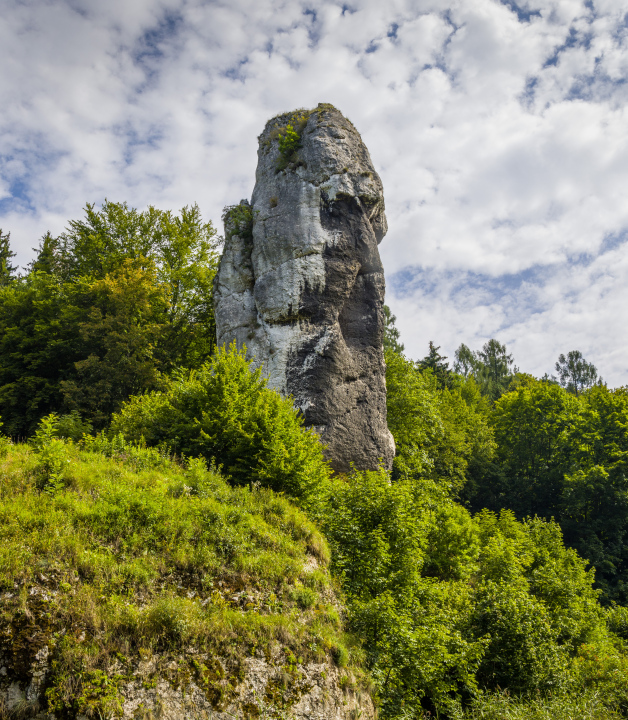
(500, 136)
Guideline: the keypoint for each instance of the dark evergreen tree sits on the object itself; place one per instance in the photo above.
(495, 370)
(391, 333)
(7, 271)
(435, 362)
(47, 258)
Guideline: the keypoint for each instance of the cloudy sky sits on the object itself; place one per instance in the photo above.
(499, 129)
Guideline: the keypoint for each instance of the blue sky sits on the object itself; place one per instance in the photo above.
(499, 130)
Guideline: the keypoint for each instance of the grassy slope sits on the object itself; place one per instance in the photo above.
(134, 554)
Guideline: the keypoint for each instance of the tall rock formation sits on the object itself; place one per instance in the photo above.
(301, 283)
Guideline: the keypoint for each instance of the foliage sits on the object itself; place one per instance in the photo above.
(391, 333)
(289, 141)
(411, 626)
(440, 432)
(52, 455)
(492, 367)
(225, 413)
(238, 220)
(7, 271)
(558, 706)
(575, 373)
(448, 605)
(108, 307)
(564, 456)
(435, 363)
(72, 426)
(287, 131)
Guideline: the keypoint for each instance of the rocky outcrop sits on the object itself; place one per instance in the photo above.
(301, 283)
(270, 683)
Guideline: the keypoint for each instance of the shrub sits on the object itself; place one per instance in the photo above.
(52, 454)
(224, 413)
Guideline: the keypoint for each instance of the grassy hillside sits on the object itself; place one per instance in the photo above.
(131, 555)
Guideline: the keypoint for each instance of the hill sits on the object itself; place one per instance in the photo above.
(137, 587)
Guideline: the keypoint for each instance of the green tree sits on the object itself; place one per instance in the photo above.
(39, 343)
(439, 431)
(47, 258)
(118, 300)
(495, 370)
(532, 429)
(465, 361)
(7, 271)
(435, 363)
(492, 367)
(594, 498)
(575, 373)
(391, 333)
(120, 335)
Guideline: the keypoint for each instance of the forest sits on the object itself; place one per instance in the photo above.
(486, 576)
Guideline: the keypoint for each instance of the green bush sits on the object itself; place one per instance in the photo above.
(224, 413)
(72, 426)
(450, 606)
(289, 141)
(52, 454)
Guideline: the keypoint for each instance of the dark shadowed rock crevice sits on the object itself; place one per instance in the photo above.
(302, 285)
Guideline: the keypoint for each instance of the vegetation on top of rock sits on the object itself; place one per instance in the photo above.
(238, 220)
(134, 555)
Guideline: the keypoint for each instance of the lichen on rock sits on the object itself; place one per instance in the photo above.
(303, 286)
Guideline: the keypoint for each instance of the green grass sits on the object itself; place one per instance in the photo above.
(583, 706)
(134, 554)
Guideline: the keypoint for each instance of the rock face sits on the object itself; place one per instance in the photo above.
(191, 683)
(301, 283)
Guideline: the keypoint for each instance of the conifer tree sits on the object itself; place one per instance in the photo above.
(435, 362)
(7, 271)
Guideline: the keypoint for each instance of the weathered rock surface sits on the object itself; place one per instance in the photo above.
(189, 684)
(302, 285)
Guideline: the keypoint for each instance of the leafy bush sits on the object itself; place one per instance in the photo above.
(72, 426)
(52, 454)
(225, 413)
(449, 606)
(238, 220)
(289, 141)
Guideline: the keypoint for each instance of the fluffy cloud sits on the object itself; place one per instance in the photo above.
(498, 129)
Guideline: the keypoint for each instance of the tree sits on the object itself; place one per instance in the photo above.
(224, 412)
(391, 333)
(492, 367)
(118, 300)
(439, 431)
(47, 258)
(435, 363)
(575, 373)
(465, 361)
(120, 334)
(7, 271)
(496, 369)
(532, 428)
